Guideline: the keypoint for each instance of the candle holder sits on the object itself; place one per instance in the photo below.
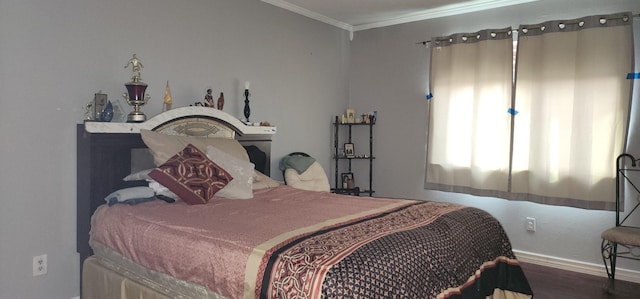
(247, 109)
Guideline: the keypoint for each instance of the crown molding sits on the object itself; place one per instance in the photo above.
(444, 11)
(438, 12)
(307, 13)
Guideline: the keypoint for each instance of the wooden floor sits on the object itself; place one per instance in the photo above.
(551, 283)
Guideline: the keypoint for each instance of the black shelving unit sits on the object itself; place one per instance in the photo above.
(340, 161)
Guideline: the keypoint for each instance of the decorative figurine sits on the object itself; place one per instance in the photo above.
(167, 98)
(208, 99)
(136, 66)
(88, 111)
(136, 88)
(221, 101)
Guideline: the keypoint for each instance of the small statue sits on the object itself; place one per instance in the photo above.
(221, 101)
(208, 99)
(136, 66)
(88, 111)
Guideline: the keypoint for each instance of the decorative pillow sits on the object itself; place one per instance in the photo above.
(192, 176)
(261, 181)
(163, 146)
(241, 185)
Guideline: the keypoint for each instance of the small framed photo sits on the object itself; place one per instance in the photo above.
(351, 116)
(99, 103)
(349, 151)
(347, 180)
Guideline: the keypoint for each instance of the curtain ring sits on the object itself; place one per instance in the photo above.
(603, 21)
(561, 25)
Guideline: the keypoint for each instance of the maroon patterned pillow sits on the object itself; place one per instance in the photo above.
(191, 175)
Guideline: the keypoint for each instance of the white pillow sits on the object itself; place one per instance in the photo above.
(312, 179)
(158, 188)
(132, 195)
(241, 171)
(163, 146)
(262, 181)
(138, 176)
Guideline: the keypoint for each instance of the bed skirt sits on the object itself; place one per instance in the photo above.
(100, 282)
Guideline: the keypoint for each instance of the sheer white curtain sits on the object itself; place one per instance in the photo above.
(469, 127)
(569, 119)
(573, 101)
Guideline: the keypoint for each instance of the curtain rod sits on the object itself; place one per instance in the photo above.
(512, 30)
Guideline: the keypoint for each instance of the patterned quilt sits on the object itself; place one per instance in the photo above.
(422, 250)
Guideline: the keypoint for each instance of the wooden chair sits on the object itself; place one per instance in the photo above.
(623, 240)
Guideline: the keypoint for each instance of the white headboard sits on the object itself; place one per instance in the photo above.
(194, 120)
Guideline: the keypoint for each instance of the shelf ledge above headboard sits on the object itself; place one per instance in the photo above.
(176, 114)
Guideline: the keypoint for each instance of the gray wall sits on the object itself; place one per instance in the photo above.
(389, 73)
(54, 55)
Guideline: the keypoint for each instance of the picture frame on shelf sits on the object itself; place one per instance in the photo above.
(99, 103)
(347, 180)
(349, 150)
(351, 116)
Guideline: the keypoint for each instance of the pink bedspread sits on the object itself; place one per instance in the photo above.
(211, 244)
(290, 243)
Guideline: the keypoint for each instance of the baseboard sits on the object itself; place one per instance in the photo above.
(575, 266)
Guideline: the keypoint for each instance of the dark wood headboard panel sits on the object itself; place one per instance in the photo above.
(104, 156)
(103, 160)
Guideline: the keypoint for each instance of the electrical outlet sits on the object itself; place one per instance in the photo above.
(531, 224)
(40, 265)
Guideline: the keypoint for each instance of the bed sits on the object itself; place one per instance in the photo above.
(278, 242)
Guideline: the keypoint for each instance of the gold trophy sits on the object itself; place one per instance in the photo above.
(136, 89)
